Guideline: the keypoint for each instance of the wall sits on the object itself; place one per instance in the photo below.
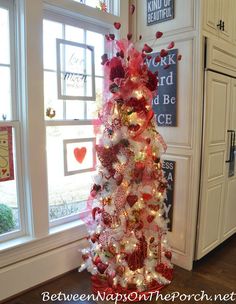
(184, 141)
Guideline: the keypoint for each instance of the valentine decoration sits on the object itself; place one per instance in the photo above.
(6, 154)
(79, 155)
(73, 69)
(102, 6)
(128, 226)
(50, 112)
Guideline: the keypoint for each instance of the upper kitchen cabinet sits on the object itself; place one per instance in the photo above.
(219, 18)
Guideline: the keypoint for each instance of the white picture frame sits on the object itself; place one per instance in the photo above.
(76, 74)
(72, 167)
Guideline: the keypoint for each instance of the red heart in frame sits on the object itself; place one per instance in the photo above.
(79, 154)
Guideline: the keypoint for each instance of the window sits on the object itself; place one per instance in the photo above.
(11, 199)
(110, 6)
(71, 159)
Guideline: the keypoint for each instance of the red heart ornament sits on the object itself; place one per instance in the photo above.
(79, 154)
(158, 34)
(129, 36)
(132, 199)
(132, 9)
(171, 45)
(117, 25)
(163, 53)
(150, 218)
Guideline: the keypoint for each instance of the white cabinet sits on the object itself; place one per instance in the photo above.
(219, 17)
(217, 219)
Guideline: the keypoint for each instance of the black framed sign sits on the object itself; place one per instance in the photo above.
(165, 103)
(159, 11)
(168, 167)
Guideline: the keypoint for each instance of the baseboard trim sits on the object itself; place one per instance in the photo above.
(39, 269)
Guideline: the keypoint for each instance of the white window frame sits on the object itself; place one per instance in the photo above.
(16, 126)
(41, 238)
(51, 15)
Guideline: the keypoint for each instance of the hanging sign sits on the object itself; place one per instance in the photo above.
(168, 167)
(164, 104)
(159, 11)
(75, 71)
(6, 154)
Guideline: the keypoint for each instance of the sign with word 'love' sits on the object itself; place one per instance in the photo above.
(165, 103)
(75, 71)
(6, 154)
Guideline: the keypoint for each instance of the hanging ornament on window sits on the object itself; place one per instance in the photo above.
(102, 6)
(50, 112)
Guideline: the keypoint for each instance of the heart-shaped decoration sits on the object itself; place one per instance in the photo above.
(163, 53)
(147, 48)
(147, 196)
(117, 25)
(132, 199)
(79, 154)
(171, 45)
(150, 218)
(4, 171)
(129, 36)
(132, 9)
(159, 34)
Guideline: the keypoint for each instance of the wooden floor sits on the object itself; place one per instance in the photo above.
(215, 273)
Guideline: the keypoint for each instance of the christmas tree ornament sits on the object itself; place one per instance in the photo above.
(128, 249)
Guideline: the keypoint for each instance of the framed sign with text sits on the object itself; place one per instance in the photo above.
(159, 11)
(168, 167)
(165, 103)
(75, 71)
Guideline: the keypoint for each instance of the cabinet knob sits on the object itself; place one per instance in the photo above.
(221, 25)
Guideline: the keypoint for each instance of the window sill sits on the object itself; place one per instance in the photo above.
(26, 247)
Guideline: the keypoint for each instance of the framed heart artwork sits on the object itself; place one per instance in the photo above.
(79, 155)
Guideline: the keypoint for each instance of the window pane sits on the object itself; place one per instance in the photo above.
(94, 106)
(5, 93)
(75, 109)
(106, 5)
(51, 31)
(4, 37)
(9, 208)
(50, 95)
(97, 41)
(74, 34)
(68, 193)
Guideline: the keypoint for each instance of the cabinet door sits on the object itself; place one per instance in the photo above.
(226, 15)
(229, 226)
(234, 22)
(214, 169)
(211, 11)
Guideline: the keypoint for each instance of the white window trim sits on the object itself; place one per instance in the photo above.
(52, 15)
(17, 127)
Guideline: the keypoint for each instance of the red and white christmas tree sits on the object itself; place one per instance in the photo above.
(129, 249)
